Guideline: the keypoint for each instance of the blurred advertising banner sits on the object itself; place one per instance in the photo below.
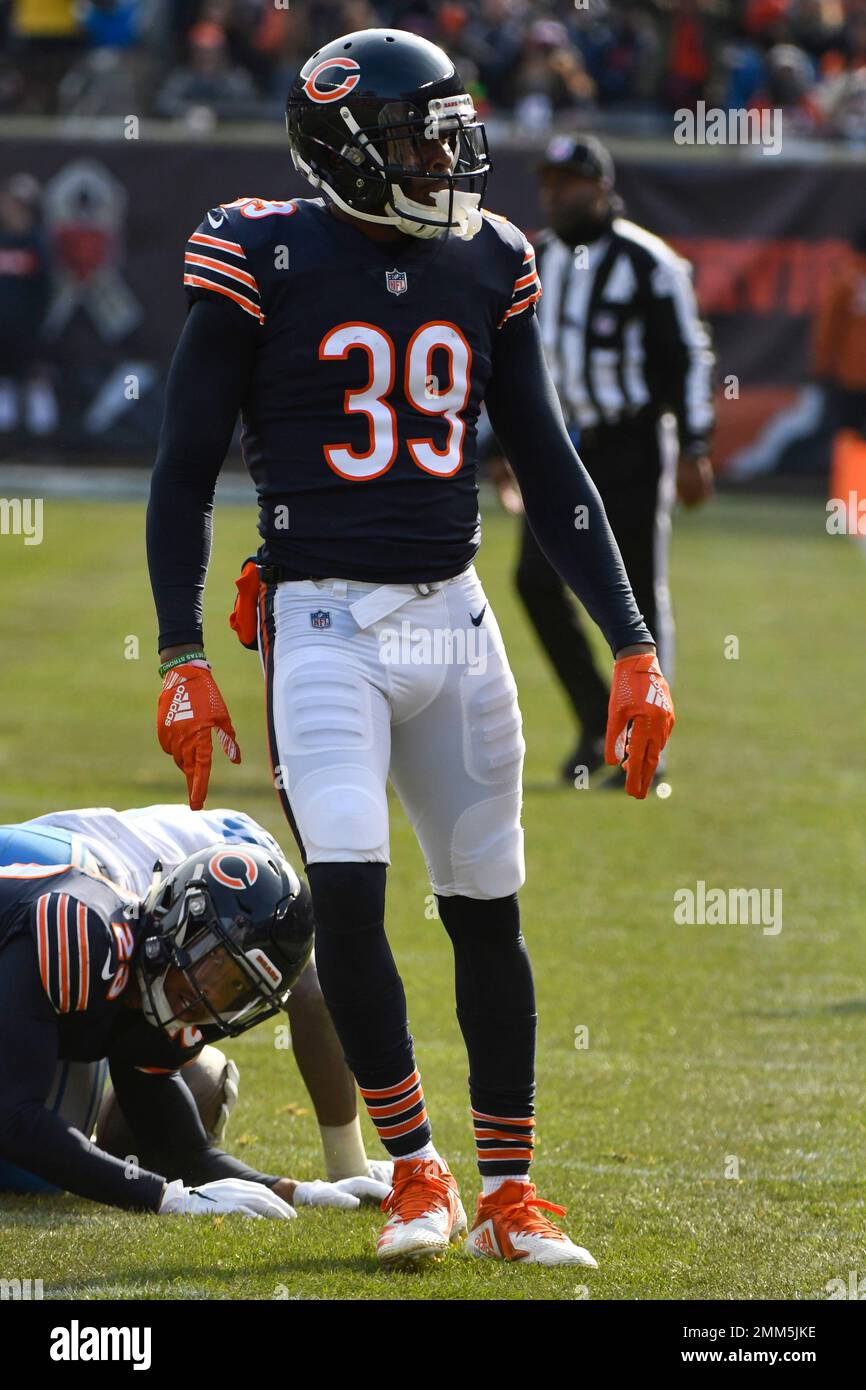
(766, 241)
(91, 300)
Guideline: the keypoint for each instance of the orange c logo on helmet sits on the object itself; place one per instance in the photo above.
(230, 880)
(350, 81)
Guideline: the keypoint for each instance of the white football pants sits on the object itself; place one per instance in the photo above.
(364, 681)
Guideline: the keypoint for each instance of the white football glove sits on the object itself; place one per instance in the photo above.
(381, 1170)
(226, 1195)
(230, 1100)
(347, 1194)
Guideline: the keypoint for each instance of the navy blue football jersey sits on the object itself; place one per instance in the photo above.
(67, 948)
(83, 944)
(372, 361)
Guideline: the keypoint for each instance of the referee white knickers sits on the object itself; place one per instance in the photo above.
(367, 681)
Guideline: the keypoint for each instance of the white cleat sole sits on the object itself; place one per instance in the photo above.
(552, 1257)
(575, 1256)
(427, 1247)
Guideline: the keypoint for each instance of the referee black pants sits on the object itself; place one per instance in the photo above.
(634, 475)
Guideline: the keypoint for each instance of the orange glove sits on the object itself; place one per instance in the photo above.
(190, 705)
(640, 717)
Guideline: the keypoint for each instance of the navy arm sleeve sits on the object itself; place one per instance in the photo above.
(35, 1138)
(525, 414)
(161, 1112)
(207, 382)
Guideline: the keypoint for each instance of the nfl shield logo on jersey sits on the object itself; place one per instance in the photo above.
(321, 618)
(396, 281)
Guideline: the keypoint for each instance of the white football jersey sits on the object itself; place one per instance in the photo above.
(128, 843)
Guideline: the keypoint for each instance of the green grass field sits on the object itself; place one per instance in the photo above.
(710, 1048)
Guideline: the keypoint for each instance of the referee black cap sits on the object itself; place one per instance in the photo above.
(579, 154)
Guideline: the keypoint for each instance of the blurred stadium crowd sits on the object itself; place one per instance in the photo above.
(626, 64)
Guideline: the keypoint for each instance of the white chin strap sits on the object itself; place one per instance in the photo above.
(415, 219)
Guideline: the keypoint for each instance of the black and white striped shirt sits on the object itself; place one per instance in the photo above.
(622, 333)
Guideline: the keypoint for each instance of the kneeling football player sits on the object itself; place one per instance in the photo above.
(94, 964)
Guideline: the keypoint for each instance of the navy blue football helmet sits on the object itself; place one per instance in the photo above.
(235, 911)
(364, 117)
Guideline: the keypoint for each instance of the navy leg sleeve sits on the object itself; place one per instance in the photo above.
(496, 1012)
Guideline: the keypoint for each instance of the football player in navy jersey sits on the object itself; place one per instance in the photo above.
(101, 959)
(358, 333)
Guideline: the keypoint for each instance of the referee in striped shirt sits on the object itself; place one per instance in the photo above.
(632, 363)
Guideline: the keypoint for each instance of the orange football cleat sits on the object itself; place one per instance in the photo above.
(426, 1214)
(510, 1224)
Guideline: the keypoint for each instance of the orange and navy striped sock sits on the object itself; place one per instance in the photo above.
(399, 1114)
(503, 1143)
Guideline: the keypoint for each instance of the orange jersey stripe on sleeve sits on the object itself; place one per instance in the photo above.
(202, 239)
(519, 308)
(83, 959)
(527, 287)
(246, 304)
(233, 272)
(63, 950)
(42, 941)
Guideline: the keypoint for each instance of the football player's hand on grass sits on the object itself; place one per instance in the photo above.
(347, 1194)
(382, 1169)
(190, 706)
(225, 1195)
(640, 718)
